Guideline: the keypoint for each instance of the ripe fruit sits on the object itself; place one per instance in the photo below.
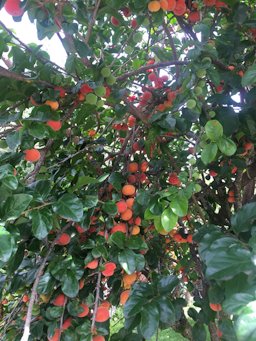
(213, 173)
(67, 323)
(137, 221)
(64, 239)
(174, 180)
(119, 228)
(171, 5)
(106, 304)
(32, 155)
(131, 121)
(59, 301)
(115, 21)
(93, 264)
(62, 92)
(56, 335)
(133, 167)
(132, 179)
(128, 280)
(154, 6)
(127, 215)
(55, 125)
(164, 4)
(100, 91)
(209, 2)
(91, 99)
(53, 104)
(190, 239)
(152, 77)
(85, 311)
(85, 89)
(25, 298)
(144, 166)
(180, 8)
(81, 283)
(13, 8)
(98, 338)
(121, 206)
(135, 230)
(130, 202)
(105, 72)
(194, 17)
(80, 229)
(191, 104)
(215, 306)
(128, 190)
(124, 296)
(134, 23)
(109, 269)
(102, 314)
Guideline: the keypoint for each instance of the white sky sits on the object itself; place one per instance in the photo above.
(26, 32)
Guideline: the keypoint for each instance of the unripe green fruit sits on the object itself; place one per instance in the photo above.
(191, 104)
(100, 103)
(201, 73)
(91, 99)
(196, 175)
(100, 91)
(197, 188)
(137, 37)
(201, 84)
(111, 80)
(128, 49)
(206, 60)
(212, 114)
(105, 72)
(198, 91)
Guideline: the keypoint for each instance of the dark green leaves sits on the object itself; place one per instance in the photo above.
(7, 245)
(69, 207)
(131, 261)
(249, 77)
(149, 320)
(15, 205)
(167, 284)
(244, 219)
(209, 153)
(70, 285)
(179, 205)
(41, 223)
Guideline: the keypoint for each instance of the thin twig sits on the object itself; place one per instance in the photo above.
(174, 51)
(97, 297)
(92, 22)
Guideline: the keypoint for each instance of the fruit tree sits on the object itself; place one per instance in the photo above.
(127, 177)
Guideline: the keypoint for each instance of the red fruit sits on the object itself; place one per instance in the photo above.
(59, 301)
(137, 220)
(115, 21)
(131, 121)
(25, 298)
(55, 125)
(180, 8)
(234, 170)
(174, 180)
(92, 265)
(164, 78)
(231, 199)
(102, 314)
(109, 269)
(220, 4)
(62, 92)
(127, 215)
(178, 238)
(171, 5)
(190, 238)
(144, 166)
(108, 92)
(98, 338)
(81, 283)
(152, 77)
(194, 17)
(85, 89)
(248, 146)
(56, 336)
(147, 95)
(13, 8)
(209, 2)
(213, 173)
(119, 228)
(215, 306)
(126, 12)
(132, 179)
(85, 311)
(64, 239)
(67, 323)
(136, 147)
(134, 23)
(32, 155)
(121, 206)
(219, 333)
(80, 229)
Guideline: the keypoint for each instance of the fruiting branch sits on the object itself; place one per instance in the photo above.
(92, 22)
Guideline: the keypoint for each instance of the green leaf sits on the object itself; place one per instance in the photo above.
(134, 305)
(166, 310)
(116, 179)
(168, 219)
(235, 304)
(249, 77)
(209, 153)
(179, 205)
(11, 182)
(46, 284)
(15, 205)
(167, 283)
(118, 238)
(245, 325)
(244, 219)
(69, 207)
(7, 245)
(227, 146)
(199, 332)
(70, 284)
(213, 130)
(131, 261)
(149, 320)
(90, 201)
(110, 208)
(41, 223)
(14, 139)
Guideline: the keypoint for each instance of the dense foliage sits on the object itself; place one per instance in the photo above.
(128, 176)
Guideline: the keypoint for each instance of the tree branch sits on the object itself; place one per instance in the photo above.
(97, 297)
(174, 51)
(92, 22)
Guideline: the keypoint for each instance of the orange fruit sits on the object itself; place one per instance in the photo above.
(56, 336)
(127, 215)
(67, 323)
(124, 296)
(121, 206)
(62, 91)
(171, 5)
(81, 283)
(102, 314)
(137, 221)
(133, 167)
(80, 229)
(164, 4)
(55, 125)
(32, 155)
(154, 6)
(179, 239)
(144, 166)
(106, 304)
(215, 306)
(53, 104)
(59, 300)
(98, 338)
(64, 239)
(128, 190)
(135, 230)
(25, 298)
(219, 333)
(119, 228)
(190, 238)
(231, 199)
(130, 202)
(85, 311)
(109, 269)
(128, 280)
(92, 265)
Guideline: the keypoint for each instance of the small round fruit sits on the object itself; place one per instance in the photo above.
(13, 8)
(212, 113)
(198, 91)
(154, 6)
(91, 99)
(105, 72)
(59, 300)
(137, 37)
(53, 104)
(64, 239)
(191, 104)
(192, 161)
(100, 91)
(55, 125)
(128, 49)
(197, 188)
(201, 73)
(111, 80)
(128, 190)
(32, 155)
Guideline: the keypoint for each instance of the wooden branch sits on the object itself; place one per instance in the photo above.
(97, 297)
(92, 22)
(147, 67)
(26, 331)
(174, 51)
